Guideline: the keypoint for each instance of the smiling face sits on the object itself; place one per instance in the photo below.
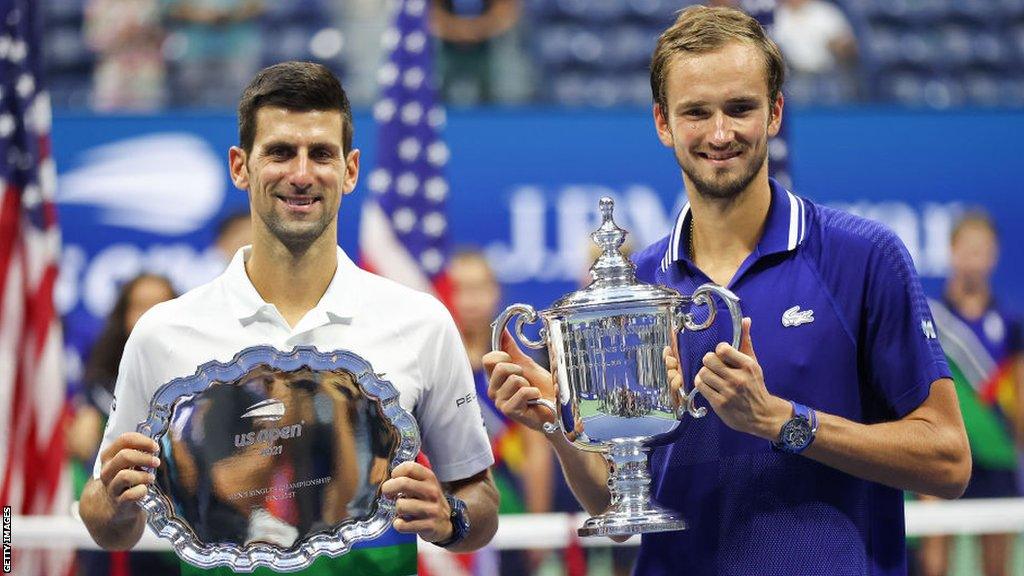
(296, 175)
(718, 119)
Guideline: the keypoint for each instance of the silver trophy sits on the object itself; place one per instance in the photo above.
(605, 344)
(275, 458)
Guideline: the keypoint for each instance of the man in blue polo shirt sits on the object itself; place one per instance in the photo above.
(847, 399)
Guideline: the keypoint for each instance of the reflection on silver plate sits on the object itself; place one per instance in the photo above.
(275, 458)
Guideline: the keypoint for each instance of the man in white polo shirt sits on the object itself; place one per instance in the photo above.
(294, 286)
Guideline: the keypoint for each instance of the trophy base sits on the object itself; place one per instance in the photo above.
(621, 523)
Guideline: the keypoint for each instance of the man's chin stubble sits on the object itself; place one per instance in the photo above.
(297, 242)
(727, 191)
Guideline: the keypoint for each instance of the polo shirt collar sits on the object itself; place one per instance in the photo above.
(341, 300)
(785, 229)
(338, 303)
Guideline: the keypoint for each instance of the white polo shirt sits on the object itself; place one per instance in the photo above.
(406, 335)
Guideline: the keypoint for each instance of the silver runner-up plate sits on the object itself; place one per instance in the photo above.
(275, 458)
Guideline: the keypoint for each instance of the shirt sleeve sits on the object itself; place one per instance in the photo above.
(900, 347)
(451, 425)
(130, 404)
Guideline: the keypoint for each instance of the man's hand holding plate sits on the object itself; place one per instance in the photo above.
(420, 505)
(124, 480)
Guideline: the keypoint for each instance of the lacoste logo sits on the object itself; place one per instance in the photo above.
(270, 409)
(795, 317)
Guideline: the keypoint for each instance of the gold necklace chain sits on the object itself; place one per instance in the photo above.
(689, 245)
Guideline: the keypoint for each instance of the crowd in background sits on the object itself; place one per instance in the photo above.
(148, 54)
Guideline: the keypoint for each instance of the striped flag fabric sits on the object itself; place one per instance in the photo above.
(403, 233)
(403, 229)
(33, 409)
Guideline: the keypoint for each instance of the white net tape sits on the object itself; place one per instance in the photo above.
(540, 531)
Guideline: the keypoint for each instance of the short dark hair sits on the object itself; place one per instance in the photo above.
(703, 29)
(296, 86)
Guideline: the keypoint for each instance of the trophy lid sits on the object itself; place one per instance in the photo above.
(614, 275)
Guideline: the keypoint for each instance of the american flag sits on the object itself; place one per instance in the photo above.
(403, 234)
(32, 391)
(404, 230)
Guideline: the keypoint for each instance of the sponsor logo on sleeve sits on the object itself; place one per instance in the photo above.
(464, 400)
(928, 328)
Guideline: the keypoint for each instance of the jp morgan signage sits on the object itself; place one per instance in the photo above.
(548, 226)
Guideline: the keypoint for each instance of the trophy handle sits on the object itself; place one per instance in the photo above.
(526, 314)
(702, 297)
(549, 427)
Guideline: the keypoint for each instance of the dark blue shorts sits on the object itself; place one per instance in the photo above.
(991, 483)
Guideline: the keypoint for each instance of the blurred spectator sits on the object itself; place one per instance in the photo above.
(523, 464)
(362, 23)
(983, 343)
(814, 35)
(233, 232)
(467, 30)
(136, 297)
(127, 36)
(92, 407)
(217, 48)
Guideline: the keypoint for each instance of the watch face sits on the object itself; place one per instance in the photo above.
(796, 433)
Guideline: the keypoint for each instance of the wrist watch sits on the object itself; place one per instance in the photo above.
(459, 519)
(798, 432)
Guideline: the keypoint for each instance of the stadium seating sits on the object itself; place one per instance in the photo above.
(596, 52)
(296, 25)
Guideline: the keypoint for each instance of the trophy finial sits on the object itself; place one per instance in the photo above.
(609, 236)
(611, 266)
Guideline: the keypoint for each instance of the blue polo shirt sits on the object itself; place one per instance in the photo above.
(869, 354)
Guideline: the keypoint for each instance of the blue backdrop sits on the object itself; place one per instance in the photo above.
(146, 192)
